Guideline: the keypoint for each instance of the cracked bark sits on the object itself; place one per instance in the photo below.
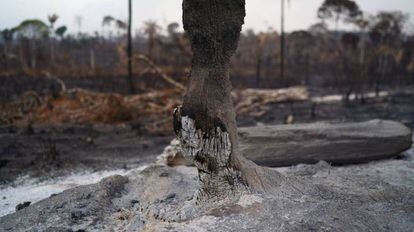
(205, 124)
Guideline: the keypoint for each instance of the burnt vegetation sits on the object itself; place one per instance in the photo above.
(50, 75)
(119, 74)
(374, 54)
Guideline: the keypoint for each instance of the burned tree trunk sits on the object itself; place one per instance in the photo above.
(205, 124)
(208, 125)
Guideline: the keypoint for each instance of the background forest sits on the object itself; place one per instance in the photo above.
(374, 55)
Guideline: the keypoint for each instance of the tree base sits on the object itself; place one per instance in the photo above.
(210, 151)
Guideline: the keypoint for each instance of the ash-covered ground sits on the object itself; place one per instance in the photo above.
(42, 161)
(377, 196)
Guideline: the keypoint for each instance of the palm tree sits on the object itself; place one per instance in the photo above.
(119, 24)
(151, 28)
(78, 22)
(122, 26)
(107, 21)
(52, 20)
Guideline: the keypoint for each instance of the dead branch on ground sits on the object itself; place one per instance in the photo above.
(158, 70)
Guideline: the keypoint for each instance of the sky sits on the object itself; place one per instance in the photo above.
(261, 14)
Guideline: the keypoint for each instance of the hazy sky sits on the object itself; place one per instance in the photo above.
(261, 14)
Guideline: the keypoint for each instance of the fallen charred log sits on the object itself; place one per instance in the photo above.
(342, 143)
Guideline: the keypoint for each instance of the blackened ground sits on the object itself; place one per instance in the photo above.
(48, 152)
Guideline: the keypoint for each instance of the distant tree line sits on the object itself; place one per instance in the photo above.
(376, 53)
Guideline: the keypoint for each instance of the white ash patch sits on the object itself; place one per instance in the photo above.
(169, 152)
(352, 97)
(201, 224)
(173, 155)
(247, 200)
(31, 189)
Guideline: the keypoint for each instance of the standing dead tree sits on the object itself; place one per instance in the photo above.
(52, 20)
(129, 49)
(205, 124)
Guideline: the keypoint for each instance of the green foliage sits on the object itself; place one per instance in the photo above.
(7, 34)
(60, 31)
(32, 29)
(387, 25)
(335, 9)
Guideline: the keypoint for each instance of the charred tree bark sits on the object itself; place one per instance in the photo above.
(205, 124)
